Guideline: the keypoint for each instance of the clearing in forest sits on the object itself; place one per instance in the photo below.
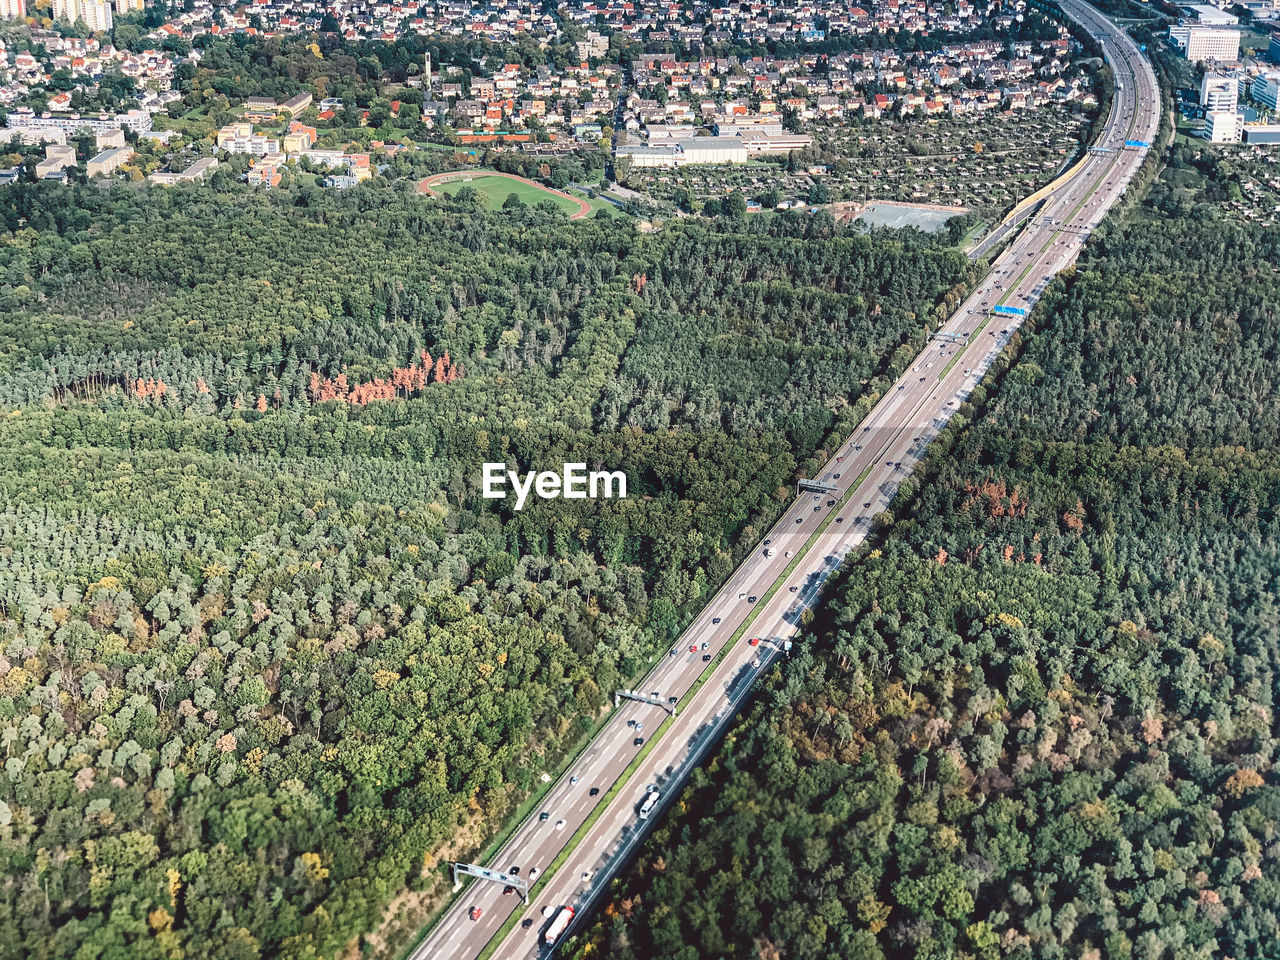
(494, 188)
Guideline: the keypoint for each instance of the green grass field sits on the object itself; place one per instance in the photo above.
(494, 191)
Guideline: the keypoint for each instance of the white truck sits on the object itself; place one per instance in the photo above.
(558, 926)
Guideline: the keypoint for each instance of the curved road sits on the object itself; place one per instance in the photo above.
(766, 594)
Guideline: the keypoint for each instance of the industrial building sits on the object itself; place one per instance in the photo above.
(1264, 134)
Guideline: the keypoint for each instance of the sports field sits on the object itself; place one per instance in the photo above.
(494, 188)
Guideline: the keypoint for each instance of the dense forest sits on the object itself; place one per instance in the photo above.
(265, 655)
(1036, 718)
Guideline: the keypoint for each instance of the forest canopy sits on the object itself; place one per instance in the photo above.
(265, 654)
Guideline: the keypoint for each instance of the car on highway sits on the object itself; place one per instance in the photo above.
(543, 816)
(508, 890)
(755, 641)
(794, 589)
(836, 475)
(839, 519)
(693, 648)
(560, 824)
(673, 700)
(639, 741)
(705, 644)
(573, 780)
(639, 725)
(593, 792)
(526, 923)
(514, 871)
(752, 599)
(475, 913)
(706, 658)
(717, 619)
(867, 504)
(534, 874)
(586, 875)
(817, 508)
(799, 519)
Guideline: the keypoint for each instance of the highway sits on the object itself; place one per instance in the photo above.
(711, 668)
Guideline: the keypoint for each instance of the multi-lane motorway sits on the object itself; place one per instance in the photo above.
(711, 668)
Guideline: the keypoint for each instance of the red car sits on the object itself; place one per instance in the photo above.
(754, 641)
(475, 913)
(693, 648)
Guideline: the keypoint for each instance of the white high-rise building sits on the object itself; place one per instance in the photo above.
(1206, 43)
(13, 9)
(124, 6)
(1219, 92)
(96, 14)
(1220, 96)
(1223, 126)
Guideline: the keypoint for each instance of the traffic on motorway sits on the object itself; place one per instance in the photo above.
(597, 810)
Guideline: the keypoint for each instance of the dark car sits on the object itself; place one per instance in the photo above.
(639, 741)
(593, 792)
(508, 890)
(514, 871)
(526, 923)
(544, 816)
(706, 658)
(715, 619)
(751, 599)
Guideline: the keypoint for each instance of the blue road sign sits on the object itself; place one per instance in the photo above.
(1009, 311)
(1136, 143)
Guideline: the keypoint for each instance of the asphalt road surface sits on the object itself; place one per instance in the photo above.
(798, 553)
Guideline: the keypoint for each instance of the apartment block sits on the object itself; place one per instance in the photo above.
(109, 161)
